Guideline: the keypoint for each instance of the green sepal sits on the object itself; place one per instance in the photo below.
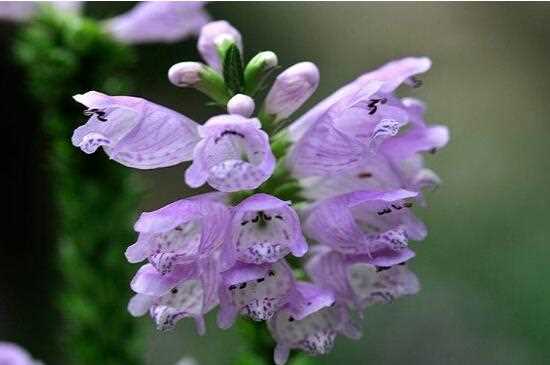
(280, 144)
(212, 84)
(233, 73)
(257, 72)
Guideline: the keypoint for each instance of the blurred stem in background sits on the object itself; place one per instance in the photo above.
(95, 200)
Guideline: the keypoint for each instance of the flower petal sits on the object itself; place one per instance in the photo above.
(324, 150)
(180, 232)
(158, 21)
(12, 354)
(135, 132)
(372, 286)
(233, 155)
(365, 221)
(150, 281)
(140, 304)
(265, 229)
(255, 291)
(211, 36)
(315, 330)
(389, 77)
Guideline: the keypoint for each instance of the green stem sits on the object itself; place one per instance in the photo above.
(96, 200)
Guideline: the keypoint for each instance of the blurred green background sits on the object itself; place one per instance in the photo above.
(484, 267)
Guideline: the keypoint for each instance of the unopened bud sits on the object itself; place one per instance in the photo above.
(242, 105)
(213, 37)
(291, 89)
(258, 69)
(185, 74)
(200, 77)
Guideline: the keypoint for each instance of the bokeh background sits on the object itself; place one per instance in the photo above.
(485, 266)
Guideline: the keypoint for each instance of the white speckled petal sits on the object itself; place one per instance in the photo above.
(310, 330)
(370, 285)
(234, 155)
(256, 291)
(265, 229)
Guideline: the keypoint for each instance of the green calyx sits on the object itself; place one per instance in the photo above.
(233, 72)
(212, 85)
(258, 70)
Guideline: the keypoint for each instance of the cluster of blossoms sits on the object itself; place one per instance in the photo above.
(342, 177)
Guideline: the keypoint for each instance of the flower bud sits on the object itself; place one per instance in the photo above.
(257, 69)
(291, 89)
(200, 77)
(213, 36)
(241, 105)
(185, 74)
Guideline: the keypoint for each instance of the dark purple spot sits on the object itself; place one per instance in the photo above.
(364, 175)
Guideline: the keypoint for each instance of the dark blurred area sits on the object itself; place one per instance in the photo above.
(484, 267)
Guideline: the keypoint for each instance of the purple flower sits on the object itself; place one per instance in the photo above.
(366, 222)
(359, 280)
(397, 164)
(181, 232)
(390, 76)
(256, 291)
(291, 89)
(234, 154)
(134, 131)
(159, 21)
(419, 138)
(19, 11)
(11, 354)
(212, 36)
(190, 291)
(309, 322)
(359, 122)
(264, 229)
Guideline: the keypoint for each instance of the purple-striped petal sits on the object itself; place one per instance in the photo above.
(180, 232)
(365, 221)
(359, 280)
(291, 89)
(134, 131)
(389, 76)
